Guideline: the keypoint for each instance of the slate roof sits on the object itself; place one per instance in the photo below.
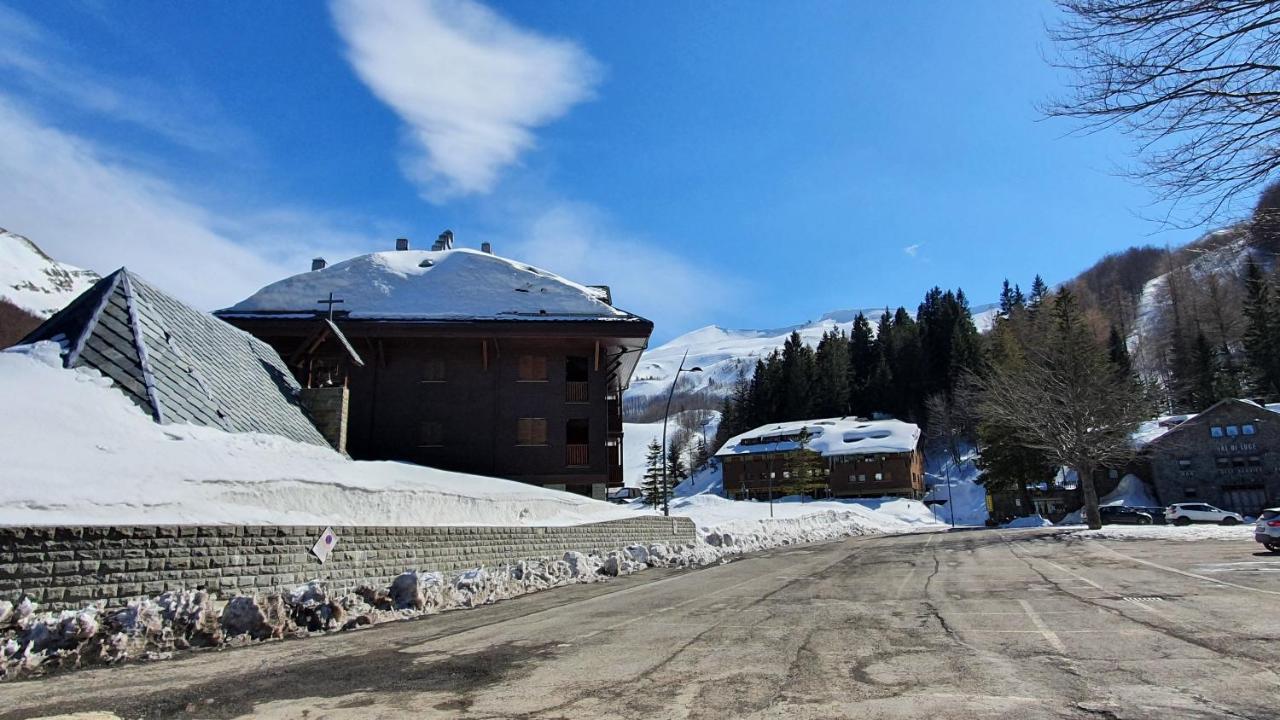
(178, 363)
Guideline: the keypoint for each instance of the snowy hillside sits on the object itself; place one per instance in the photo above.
(77, 451)
(723, 354)
(35, 282)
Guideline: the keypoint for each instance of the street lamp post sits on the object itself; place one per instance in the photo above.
(666, 487)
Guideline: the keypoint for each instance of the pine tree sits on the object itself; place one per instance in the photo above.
(1118, 352)
(831, 380)
(1262, 333)
(805, 470)
(701, 455)
(677, 471)
(651, 490)
(862, 361)
(1039, 290)
(798, 370)
(1203, 388)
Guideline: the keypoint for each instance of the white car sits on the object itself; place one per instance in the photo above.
(1267, 531)
(1187, 513)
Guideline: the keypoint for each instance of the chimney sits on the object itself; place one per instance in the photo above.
(446, 240)
(402, 243)
(486, 248)
(317, 264)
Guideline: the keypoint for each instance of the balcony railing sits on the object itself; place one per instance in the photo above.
(576, 392)
(577, 455)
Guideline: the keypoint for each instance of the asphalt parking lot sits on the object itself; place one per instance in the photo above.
(977, 624)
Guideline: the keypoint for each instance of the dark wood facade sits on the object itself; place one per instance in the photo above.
(758, 475)
(534, 401)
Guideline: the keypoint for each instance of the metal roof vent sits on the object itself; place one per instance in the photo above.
(402, 244)
(317, 264)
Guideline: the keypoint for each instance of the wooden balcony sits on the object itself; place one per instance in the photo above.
(577, 455)
(577, 392)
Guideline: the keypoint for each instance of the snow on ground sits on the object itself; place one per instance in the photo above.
(445, 284)
(1129, 492)
(78, 451)
(1187, 533)
(35, 282)
(1030, 521)
(957, 486)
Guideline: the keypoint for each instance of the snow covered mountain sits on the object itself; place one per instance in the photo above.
(723, 354)
(34, 282)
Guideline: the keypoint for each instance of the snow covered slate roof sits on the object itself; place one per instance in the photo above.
(418, 285)
(831, 437)
(177, 363)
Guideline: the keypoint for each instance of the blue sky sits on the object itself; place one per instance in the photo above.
(746, 164)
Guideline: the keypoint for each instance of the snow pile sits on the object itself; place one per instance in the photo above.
(1129, 492)
(33, 642)
(446, 284)
(1242, 532)
(36, 282)
(79, 452)
(1030, 521)
(828, 436)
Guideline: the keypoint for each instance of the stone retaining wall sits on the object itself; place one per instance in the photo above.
(62, 567)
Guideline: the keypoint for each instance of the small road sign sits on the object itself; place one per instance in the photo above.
(324, 546)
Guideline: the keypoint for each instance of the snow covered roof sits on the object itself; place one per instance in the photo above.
(35, 282)
(1152, 431)
(831, 436)
(178, 363)
(419, 285)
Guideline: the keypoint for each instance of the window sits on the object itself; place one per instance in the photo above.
(879, 476)
(1184, 463)
(576, 387)
(1248, 429)
(862, 478)
(431, 434)
(1223, 462)
(1215, 431)
(1255, 461)
(531, 431)
(1189, 492)
(1237, 462)
(432, 370)
(577, 440)
(533, 368)
(1232, 431)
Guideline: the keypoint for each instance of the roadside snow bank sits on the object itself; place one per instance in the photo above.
(1168, 532)
(79, 452)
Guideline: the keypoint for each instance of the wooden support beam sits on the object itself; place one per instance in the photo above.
(484, 349)
(597, 356)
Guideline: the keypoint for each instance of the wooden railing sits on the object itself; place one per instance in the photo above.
(577, 392)
(577, 455)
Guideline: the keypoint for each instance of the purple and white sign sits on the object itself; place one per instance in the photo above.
(324, 546)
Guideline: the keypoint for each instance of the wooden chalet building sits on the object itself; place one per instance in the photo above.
(471, 362)
(860, 458)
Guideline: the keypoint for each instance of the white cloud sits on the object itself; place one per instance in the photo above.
(62, 192)
(470, 85)
(912, 250)
(578, 242)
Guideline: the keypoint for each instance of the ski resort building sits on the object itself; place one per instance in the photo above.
(1227, 456)
(859, 457)
(471, 362)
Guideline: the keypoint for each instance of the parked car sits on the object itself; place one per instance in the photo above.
(1156, 513)
(1187, 513)
(1124, 515)
(1267, 531)
(623, 495)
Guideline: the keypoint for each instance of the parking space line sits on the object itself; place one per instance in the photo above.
(1184, 573)
(1049, 635)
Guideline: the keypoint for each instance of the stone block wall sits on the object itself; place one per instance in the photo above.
(328, 409)
(64, 567)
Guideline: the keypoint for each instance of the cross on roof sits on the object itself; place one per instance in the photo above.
(330, 302)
